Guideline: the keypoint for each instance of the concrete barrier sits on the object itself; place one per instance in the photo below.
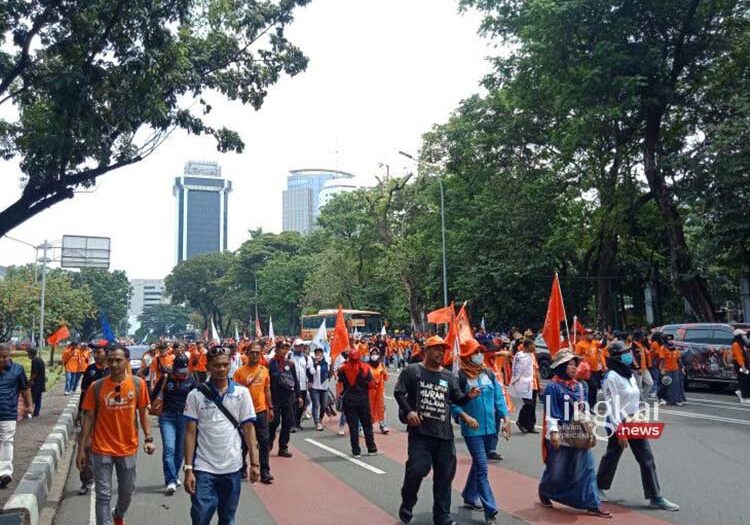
(29, 498)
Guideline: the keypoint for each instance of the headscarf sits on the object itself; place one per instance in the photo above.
(352, 367)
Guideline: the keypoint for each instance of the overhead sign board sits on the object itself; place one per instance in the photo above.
(85, 252)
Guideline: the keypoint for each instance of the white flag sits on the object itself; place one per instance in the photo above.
(214, 333)
(321, 337)
(271, 335)
(483, 328)
(236, 334)
(383, 332)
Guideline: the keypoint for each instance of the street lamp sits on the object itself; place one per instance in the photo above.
(442, 227)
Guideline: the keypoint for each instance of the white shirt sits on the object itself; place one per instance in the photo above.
(235, 363)
(522, 381)
(622, 396)
(319, 383)
(219, 447)
(302, 363)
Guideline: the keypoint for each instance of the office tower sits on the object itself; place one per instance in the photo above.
(146, 292)
(202, 209)
(302, 198)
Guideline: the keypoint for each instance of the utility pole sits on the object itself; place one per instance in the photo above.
(44, 291)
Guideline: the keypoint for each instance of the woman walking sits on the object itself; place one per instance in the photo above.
(319, 387)
(173, 391)
(569, 476)
(479, 420)
(525, 384)
(740, 357)
(377, 390)
(621, 392)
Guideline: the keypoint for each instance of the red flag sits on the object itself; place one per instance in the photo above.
(555, 316)
(258, 331)
(340, 341)
(60, 334)
(441, 315)
(578, 327)
(460, 336)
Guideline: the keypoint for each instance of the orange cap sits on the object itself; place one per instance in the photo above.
(435, 340)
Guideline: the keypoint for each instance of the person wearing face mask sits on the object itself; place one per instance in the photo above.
(377, 390)
(622, 396)
(479, 420)
(740, 359)
(355, 378)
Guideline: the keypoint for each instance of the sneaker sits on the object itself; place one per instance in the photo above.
(284, 453)
(738, 394)
(357, 455)
(342, 432)
(404, 514)
(385, 430)
(603, 496)
(5, 481)
(171, 489)
(83, 490)
(293, 430)
(307, 415)
(67, 393)
(179, 483)
(664, 504)
(472, 506)
(318, 427)
(662, 402)
(373, 452)
(266, 480)
(545, 501)
(494, 456)
(299, 427)
(679, 403)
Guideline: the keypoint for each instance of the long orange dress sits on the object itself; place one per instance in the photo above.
(377, 392)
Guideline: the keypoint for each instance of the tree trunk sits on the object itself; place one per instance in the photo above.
(684, 277)
(605, 269)
(415, 310)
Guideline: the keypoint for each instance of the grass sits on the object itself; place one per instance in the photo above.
(54, 373)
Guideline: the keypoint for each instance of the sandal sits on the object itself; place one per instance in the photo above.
(546, 502)
(600, 513)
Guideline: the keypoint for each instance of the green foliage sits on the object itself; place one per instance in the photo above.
(100, 85)
(111, 293)
(160, 320)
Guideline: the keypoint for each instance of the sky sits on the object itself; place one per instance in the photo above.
(381, 73)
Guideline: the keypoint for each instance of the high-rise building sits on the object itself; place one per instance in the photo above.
(146, 292)
(202, 209)
(301, 199)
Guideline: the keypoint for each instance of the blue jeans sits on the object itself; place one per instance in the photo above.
(215, 492)
(477, 484)
(172, 427)
(70, 378)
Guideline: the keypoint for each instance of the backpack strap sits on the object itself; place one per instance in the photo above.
(213, 395)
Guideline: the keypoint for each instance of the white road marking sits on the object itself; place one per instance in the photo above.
(704, 416)
(717, 407)
(389, 397)
(716, 401)
(350, 459)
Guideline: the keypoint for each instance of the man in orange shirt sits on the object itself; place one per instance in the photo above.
(592, 352)
(109, 422)
(198, 364)
(256, 378)
(70, 359)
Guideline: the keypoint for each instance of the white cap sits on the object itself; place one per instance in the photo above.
(738, 331)
(298, 342)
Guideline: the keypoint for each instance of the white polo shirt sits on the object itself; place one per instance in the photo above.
(219, 446)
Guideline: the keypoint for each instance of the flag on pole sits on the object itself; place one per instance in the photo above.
(340, 340)
(383, 332)
(482, 325)
(555, 316)
(59, 335)
(271, 335)
(236, 333)
(106, 329)
(214, 334)
(441, 315)
(321, 337)
(258, 331)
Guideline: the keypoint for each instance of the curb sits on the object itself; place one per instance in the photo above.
(29, 498)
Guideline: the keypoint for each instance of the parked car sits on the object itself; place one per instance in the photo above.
(543, 357)
(136, 354)
(707, 352)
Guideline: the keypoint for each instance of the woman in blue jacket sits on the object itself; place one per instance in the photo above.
(479, 419)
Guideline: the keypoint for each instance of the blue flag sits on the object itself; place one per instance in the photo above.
(106, 329)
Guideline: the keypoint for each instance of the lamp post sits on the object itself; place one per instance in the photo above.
(442, 228)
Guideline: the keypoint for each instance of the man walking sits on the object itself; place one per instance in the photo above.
(38, 380)
(220, 414)
(95, 371)
(284, 392)
(256, 379)
(304, 367)
(12, 382)
(425, 393)
(109, 421)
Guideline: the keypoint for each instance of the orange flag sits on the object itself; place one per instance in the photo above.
(555, 316)
(459, 335)
(340, 341)
(578, 327)
(441, 315)
(59, 334)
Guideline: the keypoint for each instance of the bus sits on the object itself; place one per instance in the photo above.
(366, 322)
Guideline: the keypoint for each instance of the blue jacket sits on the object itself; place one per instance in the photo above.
(487, 408)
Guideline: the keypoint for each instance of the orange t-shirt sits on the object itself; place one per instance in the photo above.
(738, 355)
(198, 361)
(257, 380)
(592, 354)
(70, 358)
(115, 431)
(83, 360)
(671, 359)
(157, 362)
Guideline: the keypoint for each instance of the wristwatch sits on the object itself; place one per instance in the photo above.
(149, 439)
(185, 468)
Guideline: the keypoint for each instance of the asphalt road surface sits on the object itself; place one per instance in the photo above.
(702, 461)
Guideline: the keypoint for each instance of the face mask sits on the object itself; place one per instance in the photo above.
(374, 357)
(477, 359)
(627, 358)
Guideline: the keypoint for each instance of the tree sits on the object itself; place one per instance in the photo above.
(19, 305)
(198, 282)
(111, 292)
(644, 64)
(100, 85)
(158, 320)
(282, 288)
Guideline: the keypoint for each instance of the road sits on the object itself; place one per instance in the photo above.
(702, 463)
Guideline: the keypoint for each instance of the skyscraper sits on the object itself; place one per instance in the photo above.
(301, 199)
(202, 209)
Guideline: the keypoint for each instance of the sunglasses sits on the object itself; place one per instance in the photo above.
(218, 350)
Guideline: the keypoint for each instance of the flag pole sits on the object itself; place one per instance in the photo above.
(575, 327)
(562, 300)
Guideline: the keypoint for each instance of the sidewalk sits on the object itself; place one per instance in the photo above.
(31, 433)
